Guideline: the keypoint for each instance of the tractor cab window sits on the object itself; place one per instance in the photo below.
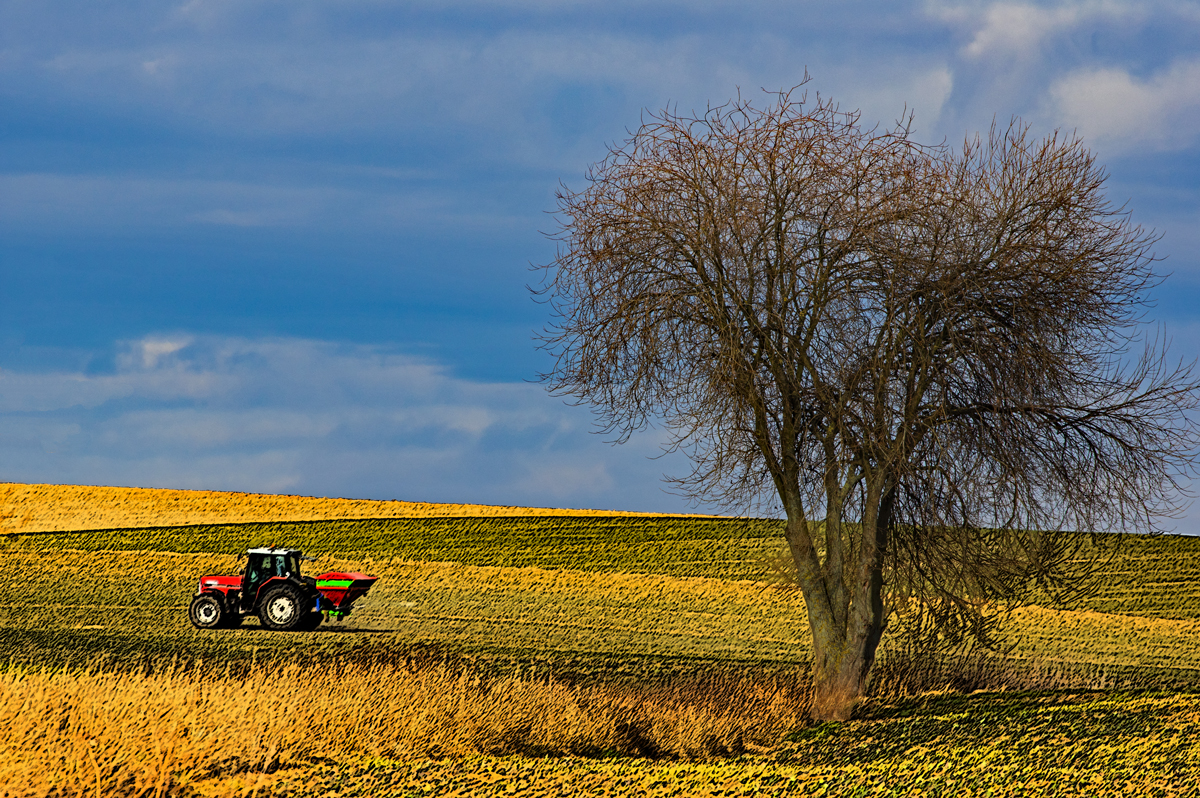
(259, 567)
(285, 564)
(258, 570)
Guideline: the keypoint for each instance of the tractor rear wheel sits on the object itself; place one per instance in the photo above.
(282, 609)
(207, 612)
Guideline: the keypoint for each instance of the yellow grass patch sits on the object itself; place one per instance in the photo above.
(85, 734)
(336, 730)
(60, 508)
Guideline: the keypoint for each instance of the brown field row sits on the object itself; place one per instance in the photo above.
(58, 508)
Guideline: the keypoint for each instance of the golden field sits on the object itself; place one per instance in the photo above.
(551, 657)
(389, 731)
(172, 732)
(57, 508)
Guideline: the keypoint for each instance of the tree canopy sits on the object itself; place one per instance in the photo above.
(932, 359)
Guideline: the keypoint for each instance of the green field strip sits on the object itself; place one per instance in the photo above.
(1147, 576)
(442, 604)
(723, 547)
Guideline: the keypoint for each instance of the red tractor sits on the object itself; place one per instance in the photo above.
(271, 587)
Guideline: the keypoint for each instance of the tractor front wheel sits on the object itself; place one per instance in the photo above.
(282, 609)
(207, 612)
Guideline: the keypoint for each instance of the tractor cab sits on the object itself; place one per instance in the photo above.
(264, 564)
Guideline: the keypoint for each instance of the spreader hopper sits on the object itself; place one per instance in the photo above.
(340, 590)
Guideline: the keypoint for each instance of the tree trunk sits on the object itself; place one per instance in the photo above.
(846, 624)
(839, 677)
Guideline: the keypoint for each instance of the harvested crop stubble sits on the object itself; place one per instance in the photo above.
(103, 733)
(232, 737)
(51, 508)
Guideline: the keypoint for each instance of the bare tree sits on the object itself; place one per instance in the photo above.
(921, 354)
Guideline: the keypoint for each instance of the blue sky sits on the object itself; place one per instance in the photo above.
(283, 246)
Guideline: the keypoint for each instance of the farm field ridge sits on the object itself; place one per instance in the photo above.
(52, 508)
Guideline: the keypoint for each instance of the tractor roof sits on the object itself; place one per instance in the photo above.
(270, 550)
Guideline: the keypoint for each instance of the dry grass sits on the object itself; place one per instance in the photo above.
(433, 728)
(1064, 745)
(58, 508)
(105, 733)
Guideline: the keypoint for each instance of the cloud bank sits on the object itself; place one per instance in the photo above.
(303, 172)
(308, 417)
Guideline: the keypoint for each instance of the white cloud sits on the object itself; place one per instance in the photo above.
(1020, 30)
(561, 481)
(920, 88)
(224, 216)
(315, 417)
(152, 349)
(1124, 74)
(1122, 113)
(69, 201)
(315, 70)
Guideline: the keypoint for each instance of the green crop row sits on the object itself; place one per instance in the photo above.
(72, 601)
(1154, 577)
(728, 548)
